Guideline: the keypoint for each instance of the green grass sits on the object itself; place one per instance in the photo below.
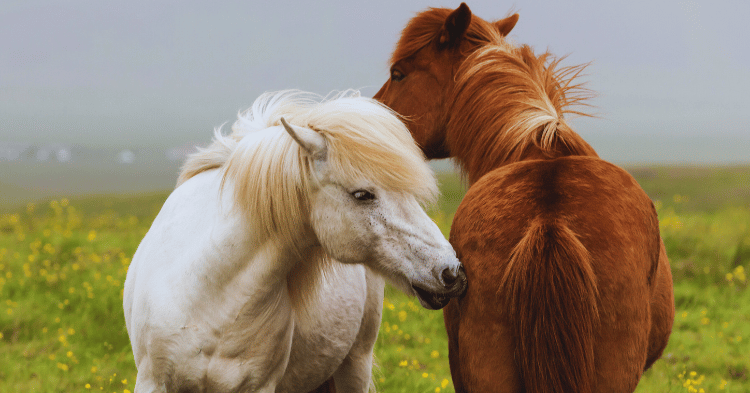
(63, 263)
(698, 189)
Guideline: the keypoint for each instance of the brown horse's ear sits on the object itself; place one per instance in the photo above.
(504, 26)
(455, 25)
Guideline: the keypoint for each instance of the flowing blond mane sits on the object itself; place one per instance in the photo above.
(270, 176)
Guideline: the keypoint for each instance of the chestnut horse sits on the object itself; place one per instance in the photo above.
(570, 289)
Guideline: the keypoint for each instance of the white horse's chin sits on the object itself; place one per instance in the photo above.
(426, 298)
(430, 300)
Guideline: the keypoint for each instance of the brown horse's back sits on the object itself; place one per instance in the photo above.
(563, 258)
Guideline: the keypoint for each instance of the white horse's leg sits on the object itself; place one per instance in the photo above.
(145, 381)
(355, 373)
(268, 389)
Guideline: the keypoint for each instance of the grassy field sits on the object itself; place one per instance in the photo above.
(63, 263)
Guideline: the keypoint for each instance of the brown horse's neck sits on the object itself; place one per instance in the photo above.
(508, 106)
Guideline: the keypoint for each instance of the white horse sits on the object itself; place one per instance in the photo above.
(262, 272)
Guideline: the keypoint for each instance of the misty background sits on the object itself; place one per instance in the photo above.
(109, 96)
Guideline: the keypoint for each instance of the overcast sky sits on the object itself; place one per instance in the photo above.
(673, 76)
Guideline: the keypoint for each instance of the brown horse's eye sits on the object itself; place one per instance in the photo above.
(397, 75)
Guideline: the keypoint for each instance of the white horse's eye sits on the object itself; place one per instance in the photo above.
(363, 195)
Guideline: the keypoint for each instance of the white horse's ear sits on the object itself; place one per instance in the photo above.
(312, 142)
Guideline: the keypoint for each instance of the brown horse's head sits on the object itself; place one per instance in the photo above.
(424, 64)
(467, 93)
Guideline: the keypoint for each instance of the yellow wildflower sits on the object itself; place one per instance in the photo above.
(739, 274)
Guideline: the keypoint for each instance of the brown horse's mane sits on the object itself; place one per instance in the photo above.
(508, 103)
(425, 26)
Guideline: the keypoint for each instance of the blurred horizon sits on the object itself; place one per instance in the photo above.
(95, 93)
(70, 171)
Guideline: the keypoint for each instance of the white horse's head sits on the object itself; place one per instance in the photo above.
(350, 179)
(363, 214)
(357, 220)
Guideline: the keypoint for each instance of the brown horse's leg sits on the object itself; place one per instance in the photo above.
(486, 361)
(327, 387)
(622, 339)
(622, 343)
(662, 310)
(451, 315)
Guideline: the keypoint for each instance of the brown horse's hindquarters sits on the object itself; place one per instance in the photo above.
(662, 309)
(614, 221)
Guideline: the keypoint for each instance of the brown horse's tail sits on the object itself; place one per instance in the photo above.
(551, 289)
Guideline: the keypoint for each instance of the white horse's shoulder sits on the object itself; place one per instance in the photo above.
(325, 337)
(196, 322)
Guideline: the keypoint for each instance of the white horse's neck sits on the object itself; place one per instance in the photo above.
(236, 270)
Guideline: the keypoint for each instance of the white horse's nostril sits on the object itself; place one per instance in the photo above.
(449, 276)
(455, 281)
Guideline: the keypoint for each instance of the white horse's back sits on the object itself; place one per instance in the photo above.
(170, 257)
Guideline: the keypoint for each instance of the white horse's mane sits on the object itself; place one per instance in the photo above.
(270, 174)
